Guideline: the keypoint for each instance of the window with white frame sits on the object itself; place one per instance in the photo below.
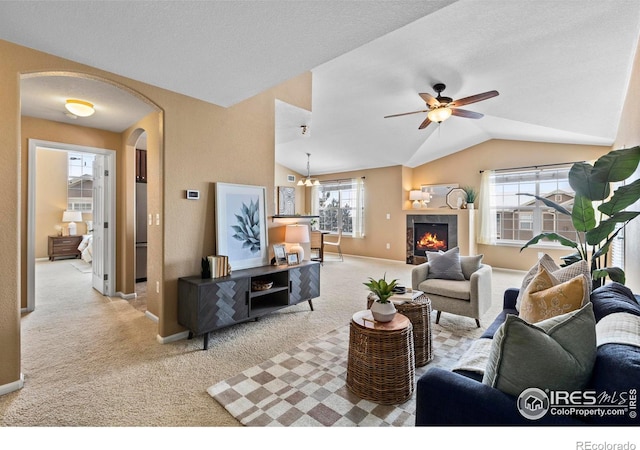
(80, 182)
(521, 217)
(340, 205)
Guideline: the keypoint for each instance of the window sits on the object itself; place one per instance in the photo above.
(521, 217)
(340, 205)
(80, 182)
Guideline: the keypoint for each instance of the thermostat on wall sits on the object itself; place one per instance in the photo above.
(193, 195)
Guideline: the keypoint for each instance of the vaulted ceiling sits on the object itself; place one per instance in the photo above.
(562, 67)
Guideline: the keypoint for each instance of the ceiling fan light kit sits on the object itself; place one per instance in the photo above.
(79, 108)
(440, 108)
(439, 114)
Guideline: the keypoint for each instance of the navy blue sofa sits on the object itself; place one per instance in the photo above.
(445, 397)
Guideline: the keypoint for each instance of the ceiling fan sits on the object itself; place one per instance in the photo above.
(441, 108)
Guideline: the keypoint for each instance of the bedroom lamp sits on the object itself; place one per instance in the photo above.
(297, 234)
(72, 217)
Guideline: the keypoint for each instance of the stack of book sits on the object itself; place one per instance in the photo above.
(219, 266)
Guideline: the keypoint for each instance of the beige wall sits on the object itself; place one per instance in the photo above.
(629, 136)
(51, 199)
(125, 210)
(387, 192)
(383, 195)
(196, 140)
(464, 168)
(50, 195)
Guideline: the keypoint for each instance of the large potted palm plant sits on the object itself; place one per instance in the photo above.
(597, 215)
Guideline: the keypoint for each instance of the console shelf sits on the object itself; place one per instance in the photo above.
(208, 304)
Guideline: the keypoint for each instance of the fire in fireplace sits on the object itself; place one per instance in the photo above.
(430, 237)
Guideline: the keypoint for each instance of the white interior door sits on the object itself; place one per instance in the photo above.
(100, 275)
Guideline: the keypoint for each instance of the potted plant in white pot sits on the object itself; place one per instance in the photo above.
(471, 195)
(382, 309)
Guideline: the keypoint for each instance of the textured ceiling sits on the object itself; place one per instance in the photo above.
(562, 67)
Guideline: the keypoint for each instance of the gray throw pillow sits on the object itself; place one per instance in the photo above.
(556, 353)
(446, 266)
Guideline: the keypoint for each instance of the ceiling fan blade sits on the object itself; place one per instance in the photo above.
(429, 99)
(466, 113)
(474, 98)
(404, 114)
(424, 124)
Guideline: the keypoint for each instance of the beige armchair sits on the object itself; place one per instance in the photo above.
(470, 297)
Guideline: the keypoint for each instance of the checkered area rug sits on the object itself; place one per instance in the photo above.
(306, 386)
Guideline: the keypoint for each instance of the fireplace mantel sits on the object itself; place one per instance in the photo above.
(461, 228)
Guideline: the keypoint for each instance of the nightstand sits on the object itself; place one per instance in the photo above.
(64, 247)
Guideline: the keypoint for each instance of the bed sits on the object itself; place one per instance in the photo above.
(86, 247)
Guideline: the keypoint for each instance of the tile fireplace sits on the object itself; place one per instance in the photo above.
(430, 233)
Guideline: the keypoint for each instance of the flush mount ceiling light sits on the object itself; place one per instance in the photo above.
(308, 181)
(79, 108)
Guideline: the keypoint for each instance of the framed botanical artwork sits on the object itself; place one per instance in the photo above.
(286, 200)
(241, 224)
(292, 259)
(280, 254)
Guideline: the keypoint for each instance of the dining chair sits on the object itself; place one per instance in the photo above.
(335, 243)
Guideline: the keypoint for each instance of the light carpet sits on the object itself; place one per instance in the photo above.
(82, 266)
(306, 386)
(94, 361)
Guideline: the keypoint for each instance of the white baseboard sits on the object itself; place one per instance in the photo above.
(14, 386)
(126, 296)
(151, 316)
(173, 338)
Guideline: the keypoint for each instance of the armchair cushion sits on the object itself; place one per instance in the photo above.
(447, 288)
(445, 266)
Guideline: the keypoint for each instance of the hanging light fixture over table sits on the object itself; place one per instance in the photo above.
(308, 181)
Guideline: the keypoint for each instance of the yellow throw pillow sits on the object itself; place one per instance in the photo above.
(545, 297)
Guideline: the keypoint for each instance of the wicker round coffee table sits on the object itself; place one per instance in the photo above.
(381, 362)
(417, 307)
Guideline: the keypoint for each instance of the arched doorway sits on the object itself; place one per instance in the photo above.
(107, 96)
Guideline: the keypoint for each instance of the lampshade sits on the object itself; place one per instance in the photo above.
(297, 234)
(72, 216)
(439, 114)
(416, 196)
(79, 107)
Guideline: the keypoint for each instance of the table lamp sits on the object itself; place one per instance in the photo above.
(296, 235)
(72, 217)
(416, 196)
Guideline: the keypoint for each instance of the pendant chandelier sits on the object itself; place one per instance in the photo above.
(308, 181)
